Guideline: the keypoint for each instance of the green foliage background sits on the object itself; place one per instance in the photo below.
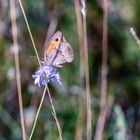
(123, 122)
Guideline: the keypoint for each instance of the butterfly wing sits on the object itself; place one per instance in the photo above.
(58, 51)
(52, 43)
(67, 51)
(55, 58)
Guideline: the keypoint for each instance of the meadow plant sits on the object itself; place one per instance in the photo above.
(46, 74)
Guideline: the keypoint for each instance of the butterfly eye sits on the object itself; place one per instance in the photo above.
(56, 39)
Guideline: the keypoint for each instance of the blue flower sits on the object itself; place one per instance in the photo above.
(46, 74)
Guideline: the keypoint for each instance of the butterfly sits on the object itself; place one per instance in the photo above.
(58, 51)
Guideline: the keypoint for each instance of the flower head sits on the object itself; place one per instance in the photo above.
(45, 74)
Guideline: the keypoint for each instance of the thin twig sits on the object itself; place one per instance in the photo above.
(18, 79)
(28, 27)
(55, 116)
(88, 97)
(102, 115)
(38, 111)
(132, 31)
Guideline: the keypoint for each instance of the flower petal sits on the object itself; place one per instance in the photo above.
(45, 74)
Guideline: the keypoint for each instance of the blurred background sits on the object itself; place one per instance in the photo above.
(123, 70)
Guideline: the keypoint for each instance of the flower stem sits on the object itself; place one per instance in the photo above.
(46, 87)
(54, 115)
(38, 111)
(28, 27)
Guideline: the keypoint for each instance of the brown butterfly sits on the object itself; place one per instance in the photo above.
(58, 51)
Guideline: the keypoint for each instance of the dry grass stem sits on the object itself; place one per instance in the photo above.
(54, 113)
(81, 115)
(132, 31)
(38, 111)
(55, 116)
(28, 27)
(80, 37)
(104, 55)
(102, 115)
(18, 79)
(88, 97)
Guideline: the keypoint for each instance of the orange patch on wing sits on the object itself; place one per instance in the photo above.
(52, 45)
